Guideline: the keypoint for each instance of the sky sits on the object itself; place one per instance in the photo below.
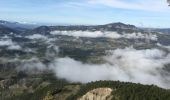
(142, 13)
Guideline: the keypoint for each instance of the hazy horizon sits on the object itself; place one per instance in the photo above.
(142, 13)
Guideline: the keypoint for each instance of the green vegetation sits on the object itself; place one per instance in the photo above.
(125, 91)
(36, 88)
(121, 91)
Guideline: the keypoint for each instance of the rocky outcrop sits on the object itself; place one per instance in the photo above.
(98, 94)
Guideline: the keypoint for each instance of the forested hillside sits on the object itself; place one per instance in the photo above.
(125, 91)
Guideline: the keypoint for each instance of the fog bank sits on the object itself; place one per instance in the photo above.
(139, 66)
(106, 34)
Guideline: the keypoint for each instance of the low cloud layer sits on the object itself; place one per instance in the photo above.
(130, 65)
(6, 42)
(9, 44)
(32, 65)
(14, 47)
(36, 36)
(106, 34)
(143, 66)
(163, 46)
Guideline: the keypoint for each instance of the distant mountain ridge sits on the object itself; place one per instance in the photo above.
(106, 27)
(29, 29)
(119, 27)
(163, 30)
(16, 25)
(6, 30)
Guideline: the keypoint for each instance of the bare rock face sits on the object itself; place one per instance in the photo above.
(98, 94)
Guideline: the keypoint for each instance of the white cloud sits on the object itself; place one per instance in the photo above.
(10, 44)
(107, 34)
(52, 51)
(167, 47)
(147, 5)
(32, 65)
(129, 64)
(143, 66)
(14, 47)
(6, 42)
(87, 34)
(36, 36)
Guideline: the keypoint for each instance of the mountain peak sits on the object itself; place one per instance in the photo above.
(121, 25)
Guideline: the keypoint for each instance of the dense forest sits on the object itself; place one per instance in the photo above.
(126, 91)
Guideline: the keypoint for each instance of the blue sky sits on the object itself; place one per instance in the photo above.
(145, 13)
